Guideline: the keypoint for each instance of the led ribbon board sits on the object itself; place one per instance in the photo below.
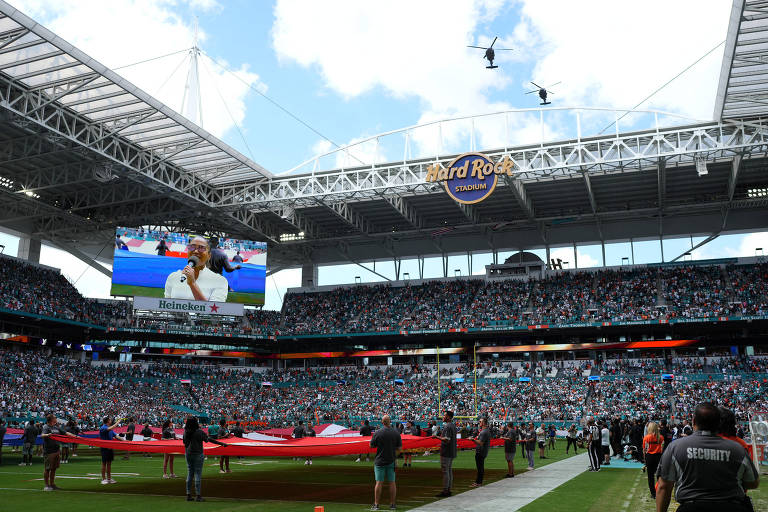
(471, 177)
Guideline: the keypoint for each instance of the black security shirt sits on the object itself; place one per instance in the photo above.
(706, 467)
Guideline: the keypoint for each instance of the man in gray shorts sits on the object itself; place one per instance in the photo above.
(510, 447)
(448, 449)
(388, 444)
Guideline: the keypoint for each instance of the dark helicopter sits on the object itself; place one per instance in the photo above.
(490, 54)
(543, 92)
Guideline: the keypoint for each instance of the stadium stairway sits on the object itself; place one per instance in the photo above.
(511, 494)
(660, 300)
(728, 284)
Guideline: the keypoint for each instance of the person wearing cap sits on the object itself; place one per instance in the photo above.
(708, 473)
(593, 444)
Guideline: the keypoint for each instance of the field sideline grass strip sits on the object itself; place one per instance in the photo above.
(133, 494)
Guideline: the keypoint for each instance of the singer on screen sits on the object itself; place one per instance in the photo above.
(195, 281)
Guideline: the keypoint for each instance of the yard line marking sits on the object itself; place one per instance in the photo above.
(631, 495)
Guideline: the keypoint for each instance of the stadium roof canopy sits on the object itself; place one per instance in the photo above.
(82, 151)
(743, 87)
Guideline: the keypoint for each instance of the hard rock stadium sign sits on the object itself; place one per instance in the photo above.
(471, 177)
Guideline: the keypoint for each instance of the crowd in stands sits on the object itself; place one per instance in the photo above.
(563, 298)
(688, 291)
(152, 391)
(566, 297)
(627, 295)
(750, 288)
(253, 322)
(696, 291)
(44, 291)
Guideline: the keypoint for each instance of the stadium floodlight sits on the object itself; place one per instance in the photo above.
(701, 167)
(751, 193)
(292, 237)
(5, 182)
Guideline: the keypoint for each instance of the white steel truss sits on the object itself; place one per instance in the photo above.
(620, 153)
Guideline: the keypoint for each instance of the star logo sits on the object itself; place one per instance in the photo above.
(214, 308)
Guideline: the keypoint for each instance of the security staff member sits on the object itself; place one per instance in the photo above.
(711, 473)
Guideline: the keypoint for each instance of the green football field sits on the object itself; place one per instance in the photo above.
(337, 483)
(129, 290)
(276, 484)
(617, 490)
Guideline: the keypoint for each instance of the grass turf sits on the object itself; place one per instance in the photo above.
(338, 483)
(129, 290)
(617, 490)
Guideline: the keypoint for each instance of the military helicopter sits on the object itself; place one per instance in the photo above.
(490, 54)
(543, 92)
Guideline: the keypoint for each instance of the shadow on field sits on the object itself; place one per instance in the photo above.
(327, 483)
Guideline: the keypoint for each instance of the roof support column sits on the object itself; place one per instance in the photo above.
(29, 249)
(309, 275)
(632, 249)
(77, 253)
(603, 244)
(575, 256)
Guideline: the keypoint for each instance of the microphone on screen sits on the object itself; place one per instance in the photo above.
(192, 262)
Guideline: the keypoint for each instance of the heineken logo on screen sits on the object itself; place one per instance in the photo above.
(471, 177)
(188, 306)
(182, 306)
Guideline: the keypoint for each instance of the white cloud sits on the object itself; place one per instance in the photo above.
(117, 33)
(205, 5)
(277, 285)
(748, 244)
(566, 254)
(388, 45)
(610, 53)
(606, 53)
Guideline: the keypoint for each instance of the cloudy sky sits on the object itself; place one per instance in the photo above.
(350, 69)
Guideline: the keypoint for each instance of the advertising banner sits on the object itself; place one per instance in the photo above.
(188, 306)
